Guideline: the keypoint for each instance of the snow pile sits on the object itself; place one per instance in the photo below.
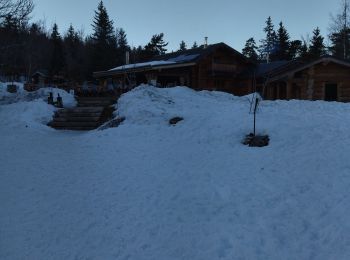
(35, 114)
(150, 190)
(3, 88)
(42, 93)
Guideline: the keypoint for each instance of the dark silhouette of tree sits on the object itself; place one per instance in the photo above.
(183, 46)
(295, 49)
(122, 45)
(57, 54)
(19, 9)
(194, 46)
(317, 47)
(157, 45)
(102, 43)
(74, 55)
(340, 32)
(250, 50)
(283, 44)
(268, 45)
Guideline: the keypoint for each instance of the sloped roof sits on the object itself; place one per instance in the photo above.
(171, 60)
(296, 66)
(194, 55)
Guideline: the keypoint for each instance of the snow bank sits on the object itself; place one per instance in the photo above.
(149, 190)
(34, 114)
(29, 109)
(42, 93)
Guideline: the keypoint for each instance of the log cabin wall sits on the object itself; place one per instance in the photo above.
(218, 71)
(323, 81)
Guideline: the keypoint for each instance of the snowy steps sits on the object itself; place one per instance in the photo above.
(90, 113)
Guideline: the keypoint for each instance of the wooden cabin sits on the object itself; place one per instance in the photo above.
(327, 78)
(208, 67)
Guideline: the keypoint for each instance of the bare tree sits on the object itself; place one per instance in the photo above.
(19, 9)
(339, 27)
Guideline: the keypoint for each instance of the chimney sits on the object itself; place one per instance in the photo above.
(205, 42)
(127, 57)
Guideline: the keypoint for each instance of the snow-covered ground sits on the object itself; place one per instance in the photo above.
(148, 190)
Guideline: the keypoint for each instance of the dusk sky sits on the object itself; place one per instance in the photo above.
(232, 22)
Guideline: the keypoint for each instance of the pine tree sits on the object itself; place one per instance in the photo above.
(295, 49)
(250, 49)
(195, 45)
(268, 45)
(103, 45)
(283, 43)
(74, 54)
(305, 50)
(182, 46)
(57, 57)
(102, 26)
(122, 45)
(122, 41)
(317, 47)
(340, 43)
(157, 45)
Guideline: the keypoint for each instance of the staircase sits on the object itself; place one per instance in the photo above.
(90, 113)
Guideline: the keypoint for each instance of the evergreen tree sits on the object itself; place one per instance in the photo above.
(317, 47)
(122, 45)
(295, 49)
(250, 49)
(122, 41)
(102, 26)
(74, 54)
(283, 43)
(102, 44)
(157, 45)
(182, 46)
(267, 48)
(57, 53)
(305, 51)
(195, 45)
(340, 43)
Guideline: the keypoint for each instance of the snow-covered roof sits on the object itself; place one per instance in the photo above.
(143, 64)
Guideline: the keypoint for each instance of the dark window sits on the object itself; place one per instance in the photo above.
(331, 92)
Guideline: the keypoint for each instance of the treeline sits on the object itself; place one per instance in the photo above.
(277, 44)
(28, 47)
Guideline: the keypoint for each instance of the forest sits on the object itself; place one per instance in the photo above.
(26, 47)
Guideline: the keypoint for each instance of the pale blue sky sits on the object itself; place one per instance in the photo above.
(229, 21)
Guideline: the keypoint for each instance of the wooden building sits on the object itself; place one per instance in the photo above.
(327, 78)
(209, 67)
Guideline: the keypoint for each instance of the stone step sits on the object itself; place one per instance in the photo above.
(75, 128)
(98, 109)
(94, 104)
(68, 125)
(72, 114)
(77, 119)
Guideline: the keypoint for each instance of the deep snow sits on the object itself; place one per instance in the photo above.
(148, 190)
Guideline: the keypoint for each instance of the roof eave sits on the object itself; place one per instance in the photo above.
(310, 64)
(100, 74)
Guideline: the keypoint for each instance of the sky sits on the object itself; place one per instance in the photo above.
(229, 21)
